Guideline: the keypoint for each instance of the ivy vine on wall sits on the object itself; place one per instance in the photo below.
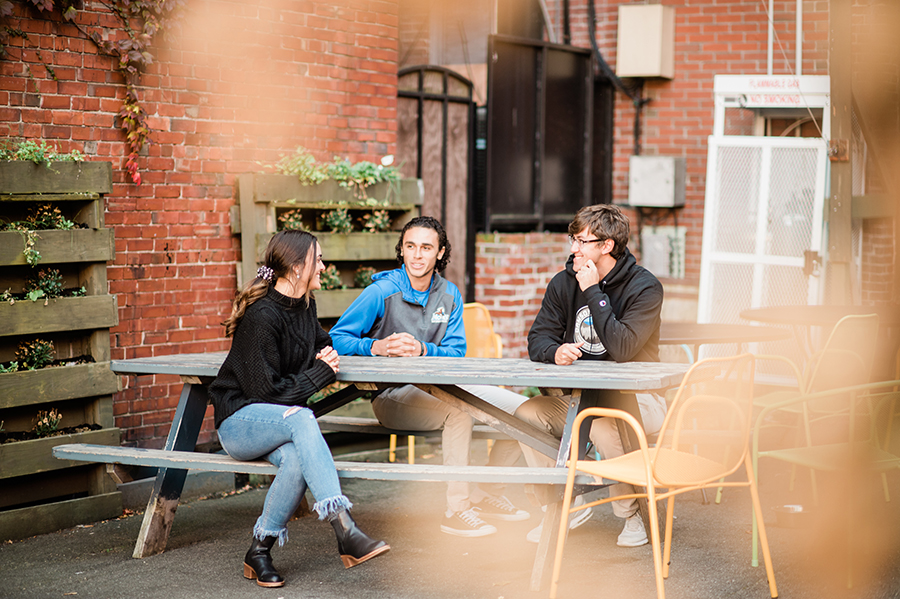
(140, 20)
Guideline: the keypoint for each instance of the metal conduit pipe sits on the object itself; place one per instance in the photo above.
(634, 93)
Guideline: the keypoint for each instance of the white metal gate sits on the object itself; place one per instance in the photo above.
(763, 210)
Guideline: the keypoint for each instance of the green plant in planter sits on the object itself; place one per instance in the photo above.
(362, 278)
(47, 283)
(376, 221)
(45, 217)
(336, 221)
(47, 422)
(303, 164)
(11, 367)
(353, 176)
(292, 220)
(358, 176)
(36, 153)
(331, 278)
(33, 355)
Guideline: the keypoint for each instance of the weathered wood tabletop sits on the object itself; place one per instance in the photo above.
(519, 372)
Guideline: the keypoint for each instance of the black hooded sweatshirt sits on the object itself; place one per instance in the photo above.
(618, 319)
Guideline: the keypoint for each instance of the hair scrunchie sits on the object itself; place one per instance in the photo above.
(265, 273)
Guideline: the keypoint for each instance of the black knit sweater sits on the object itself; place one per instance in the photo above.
(272, 357)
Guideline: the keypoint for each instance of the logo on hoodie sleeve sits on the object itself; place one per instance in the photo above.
(584, 331)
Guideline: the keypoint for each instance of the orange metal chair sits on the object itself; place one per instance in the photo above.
(704, 439)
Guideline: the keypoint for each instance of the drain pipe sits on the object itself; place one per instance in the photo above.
(798, 70)
(634, 94)
(770, 48)
(548, 22)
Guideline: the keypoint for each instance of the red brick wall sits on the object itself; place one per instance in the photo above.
(243, 82)
(511, 273)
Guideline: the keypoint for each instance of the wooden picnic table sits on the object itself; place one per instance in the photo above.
(695, 334)
(802, 319)
(589, 383)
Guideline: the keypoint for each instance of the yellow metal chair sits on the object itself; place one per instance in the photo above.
(837, 443)
(481, 342)
(845, 360)
(704, 438)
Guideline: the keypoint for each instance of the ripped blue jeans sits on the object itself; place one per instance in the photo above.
(288, 437)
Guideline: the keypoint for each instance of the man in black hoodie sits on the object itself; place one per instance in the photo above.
(603, 306)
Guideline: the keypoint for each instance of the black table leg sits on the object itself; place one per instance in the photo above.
(170, 481)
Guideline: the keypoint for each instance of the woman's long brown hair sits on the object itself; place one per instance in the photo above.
(285, 250)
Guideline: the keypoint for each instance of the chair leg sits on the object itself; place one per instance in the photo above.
(667, 555)
(411, 444)
(392, 449)
(654, 539)
(764, 540)
(561, 537)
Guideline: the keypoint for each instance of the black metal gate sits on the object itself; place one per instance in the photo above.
(435, 133)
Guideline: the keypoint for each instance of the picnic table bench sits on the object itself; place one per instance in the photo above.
(589, 383)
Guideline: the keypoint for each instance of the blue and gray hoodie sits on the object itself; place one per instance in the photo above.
(391, 305)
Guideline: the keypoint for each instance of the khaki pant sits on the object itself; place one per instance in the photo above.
(410, 408)
(549, 414)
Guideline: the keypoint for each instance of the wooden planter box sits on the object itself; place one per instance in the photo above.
(60, 383)
(59, 247)
(35, 456)
(338, 247)
(264, 196)
(26, 317)
(332, 303)
(57, 493)
(24, 177)
(269, 188)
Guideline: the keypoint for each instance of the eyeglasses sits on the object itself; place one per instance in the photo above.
(580, 243)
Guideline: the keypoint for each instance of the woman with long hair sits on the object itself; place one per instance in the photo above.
(280, 357)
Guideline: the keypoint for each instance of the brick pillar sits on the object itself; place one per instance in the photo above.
(512, 271)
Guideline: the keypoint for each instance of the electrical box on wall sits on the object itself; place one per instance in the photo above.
(646, 41)
(662, 251)
(656, 181)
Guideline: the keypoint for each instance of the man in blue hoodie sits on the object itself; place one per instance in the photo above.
(603, 306)
(414, 311)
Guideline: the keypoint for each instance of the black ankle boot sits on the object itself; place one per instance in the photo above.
(354, 545)
(258, 564)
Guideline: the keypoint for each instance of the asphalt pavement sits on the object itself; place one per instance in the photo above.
(710, 558)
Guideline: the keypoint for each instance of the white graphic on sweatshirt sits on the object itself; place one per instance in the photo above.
(584, 331)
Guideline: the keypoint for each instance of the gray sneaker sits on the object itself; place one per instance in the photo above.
(633, 535)
(501, 508)
(466, 524)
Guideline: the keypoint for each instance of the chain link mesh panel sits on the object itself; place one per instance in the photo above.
(737, 200)
(765, 215)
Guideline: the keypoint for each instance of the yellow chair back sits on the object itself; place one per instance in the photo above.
(481, 340)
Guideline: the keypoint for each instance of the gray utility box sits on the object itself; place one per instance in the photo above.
(656, 181)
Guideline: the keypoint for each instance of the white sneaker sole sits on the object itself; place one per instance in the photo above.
(632, 543)
(478, 532)
(517, 517)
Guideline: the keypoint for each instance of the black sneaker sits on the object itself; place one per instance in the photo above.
(501, 508)
(466, 524)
